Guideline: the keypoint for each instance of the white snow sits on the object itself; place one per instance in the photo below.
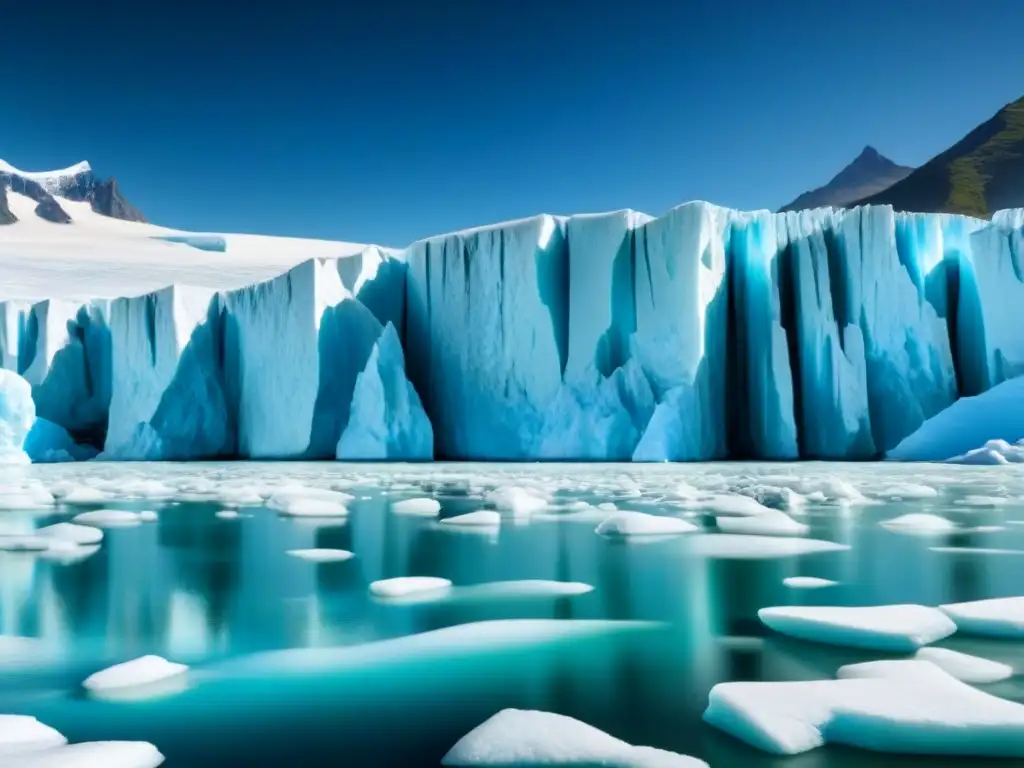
(807, 582)
(21, 733)
(963, 666)
(421, 507)
(919, 523)
(138, 673)
(526, 737)
(484, 518)
(997, 617)
(93, 754)
(52, 181)
(642, 524)
(321, 555)
(107, 518)
(896, 706)
(402, 586)
(892, 628)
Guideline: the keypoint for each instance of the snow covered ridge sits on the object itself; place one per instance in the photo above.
(707, 333)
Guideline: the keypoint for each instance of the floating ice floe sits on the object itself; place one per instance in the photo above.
(484, 518)
(733, 505)
(975, 551)
(81, 494)
(322, 555)
(992, 453)
(311, 508)
(998, 617)
(524, 737)
(227, 514)
(22, 733)
(907, 492)
(895, 628)
(148, 516)
(898, 706)
(920, 524)
(963, 666)
(408, 585)
(419, 507)
(642, 524)
(18, 543)
(92, 754)
(520, 502)
(138, 676)
(771, 522)
(742, 547)
(807, 582)
(108, 518)
(72, 533)
(66, 553)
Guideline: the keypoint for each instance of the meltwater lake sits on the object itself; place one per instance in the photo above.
(627, 634)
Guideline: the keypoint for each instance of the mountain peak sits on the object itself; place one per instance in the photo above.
(76, 182)
(869, 173)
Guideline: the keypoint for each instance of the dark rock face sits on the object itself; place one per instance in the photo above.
(869, 173)
(48, 208)
(6, 217)
(107, 199)
(104, 197)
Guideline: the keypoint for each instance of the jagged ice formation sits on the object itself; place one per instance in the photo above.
(705, 333)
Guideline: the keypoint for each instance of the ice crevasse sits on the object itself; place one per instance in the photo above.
(706, 333)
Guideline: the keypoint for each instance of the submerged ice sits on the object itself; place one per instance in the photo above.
(705, 333)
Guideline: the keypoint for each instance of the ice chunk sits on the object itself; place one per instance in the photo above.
(521, 502)
(312, 508)
(770, 523)
(142, 672)
(227, 514)
(740, 547)
(807, 582)
(895, 628)
(992, 453)
(82, 494)
(422, 507)
(733, 505)
(524, 737)
(17, 415)
(963, 666)
(148, 516)
(642, 524)
(408, 585)
(482, 518)
(72, 533)
(322, 555)
(920, 523)
(898, 706)
(998, 617)
(387, 421)
(92, 754)
(908, 491)
(967, 424)
(107, 518)
(283, 497)
(21, 733)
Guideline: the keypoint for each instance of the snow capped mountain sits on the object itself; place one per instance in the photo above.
(705, 333)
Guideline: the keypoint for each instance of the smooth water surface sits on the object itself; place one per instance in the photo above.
(667, 619)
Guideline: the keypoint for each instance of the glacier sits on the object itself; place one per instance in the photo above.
(705, 333)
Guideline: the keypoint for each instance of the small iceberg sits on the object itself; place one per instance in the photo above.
(919, 524)
(311, 508)
(521, 502)
(894, 628)
(486, 518)
(227, 514)
(523, 737)
(729, 546)
(22, 733)
(908, 492)
(999, 617)
(643, 524)
(963, 666)
(404, 586)
(108, 518)
(139, 678)
(994, 453)
(92, 754)
(769, 523)
(20, 543)
(808, 582)
(72, 533)
(322, 555)
(909, 707)
(418, 507)
(734, 505)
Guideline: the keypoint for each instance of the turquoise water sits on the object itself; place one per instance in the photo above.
(667, 619)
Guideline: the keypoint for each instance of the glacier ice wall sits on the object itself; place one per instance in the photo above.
(17, 415)
(705, 333)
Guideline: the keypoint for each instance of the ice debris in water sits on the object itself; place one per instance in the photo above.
(524, 737)
(807, 582)
(148, 516)
(141, 672)
(92, 754)
(963, 666)
(521, 502)
(642, 524)
(992, 453)
(283, 499)
(422, 507)
(107, 518)
(743, 547)
(731, 505)
(484, 518)
(227, 514)
(82, 494)
(998, 617)
(908, 492)
(919, 523)
(22, 733)
(408, 585)
(771, 522)
(895, 628)
(25, 543)
(322, 555)
(72, 533)
(897, 706)
(310, 508)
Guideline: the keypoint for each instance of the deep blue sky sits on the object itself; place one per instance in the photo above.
(386, 121)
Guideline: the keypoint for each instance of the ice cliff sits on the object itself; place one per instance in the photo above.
(706, 333)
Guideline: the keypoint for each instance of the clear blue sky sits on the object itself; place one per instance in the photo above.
(387, 121)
